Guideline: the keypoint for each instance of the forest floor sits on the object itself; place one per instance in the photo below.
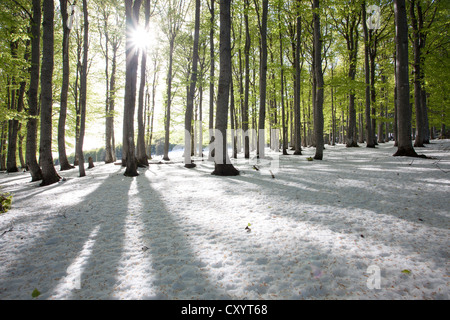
(360, 224)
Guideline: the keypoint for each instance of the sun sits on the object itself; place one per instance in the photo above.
(140, 38)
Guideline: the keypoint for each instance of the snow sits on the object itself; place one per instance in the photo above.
(325, 229)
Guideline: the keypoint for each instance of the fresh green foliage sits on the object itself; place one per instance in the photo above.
(5, 202)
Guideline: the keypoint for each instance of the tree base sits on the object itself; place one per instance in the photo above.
(64, 168)
(298, 153)
(131, 173)
(190, 165)
(225, 170)
(50, 180)
(352, 144)
(408, 152)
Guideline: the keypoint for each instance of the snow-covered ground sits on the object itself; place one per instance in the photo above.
(360, 224)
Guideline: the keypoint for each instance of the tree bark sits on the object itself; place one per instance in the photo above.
(83, 91)
(405, 147)
(49, 175)
(417, 78)
(142, 158)
(31, 144)
(369, 133)
(245, 120)
(297, 130)
(223, 166)
(192, 83)
(63, 162)
(318, 114)
(263, 82)
(132, 19)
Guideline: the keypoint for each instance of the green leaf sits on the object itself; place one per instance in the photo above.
(35, 293)
(406, 271)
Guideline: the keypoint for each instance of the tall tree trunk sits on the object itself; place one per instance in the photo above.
(192, 83)
(223, 166)
(283, 115)
(318, 114)
(83, 91)
(13, 124)
(31, 144)
(142, 158)
(405, 147)
(263, 82)
(211, 79)
(112, 102)
(49, 174)
(417, 78)
(297, 130)
(169, 100)
(63, 162)
(369, 133)
(245, 119)
(132, 56)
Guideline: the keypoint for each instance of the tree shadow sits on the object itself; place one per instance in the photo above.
(43, 255)
(177, 271)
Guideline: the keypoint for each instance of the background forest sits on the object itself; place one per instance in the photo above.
(274, 83)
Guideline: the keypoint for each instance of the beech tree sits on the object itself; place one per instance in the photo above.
(223, 166)
(49, 174)
(190, 99)
(132, 56)
(63, 161)
(405, 147)
(318, 107)
(33, 110)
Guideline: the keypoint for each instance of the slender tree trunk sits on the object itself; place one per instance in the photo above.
(283, 116)
(211, 80)
(142, 158)
(405, 147)
(318, 114)
(245, 118)
(49, 175)
(83, 91)
(369, 133)
(263, 82)
(169, 100)
(63, 162)
(13, 124)
(193, 81)
(298, 137)
(417, 78)
(30, 155)
(223, 166)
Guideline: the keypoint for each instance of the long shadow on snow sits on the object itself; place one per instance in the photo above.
(44, 264)
(331, 221)
(178, 273)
